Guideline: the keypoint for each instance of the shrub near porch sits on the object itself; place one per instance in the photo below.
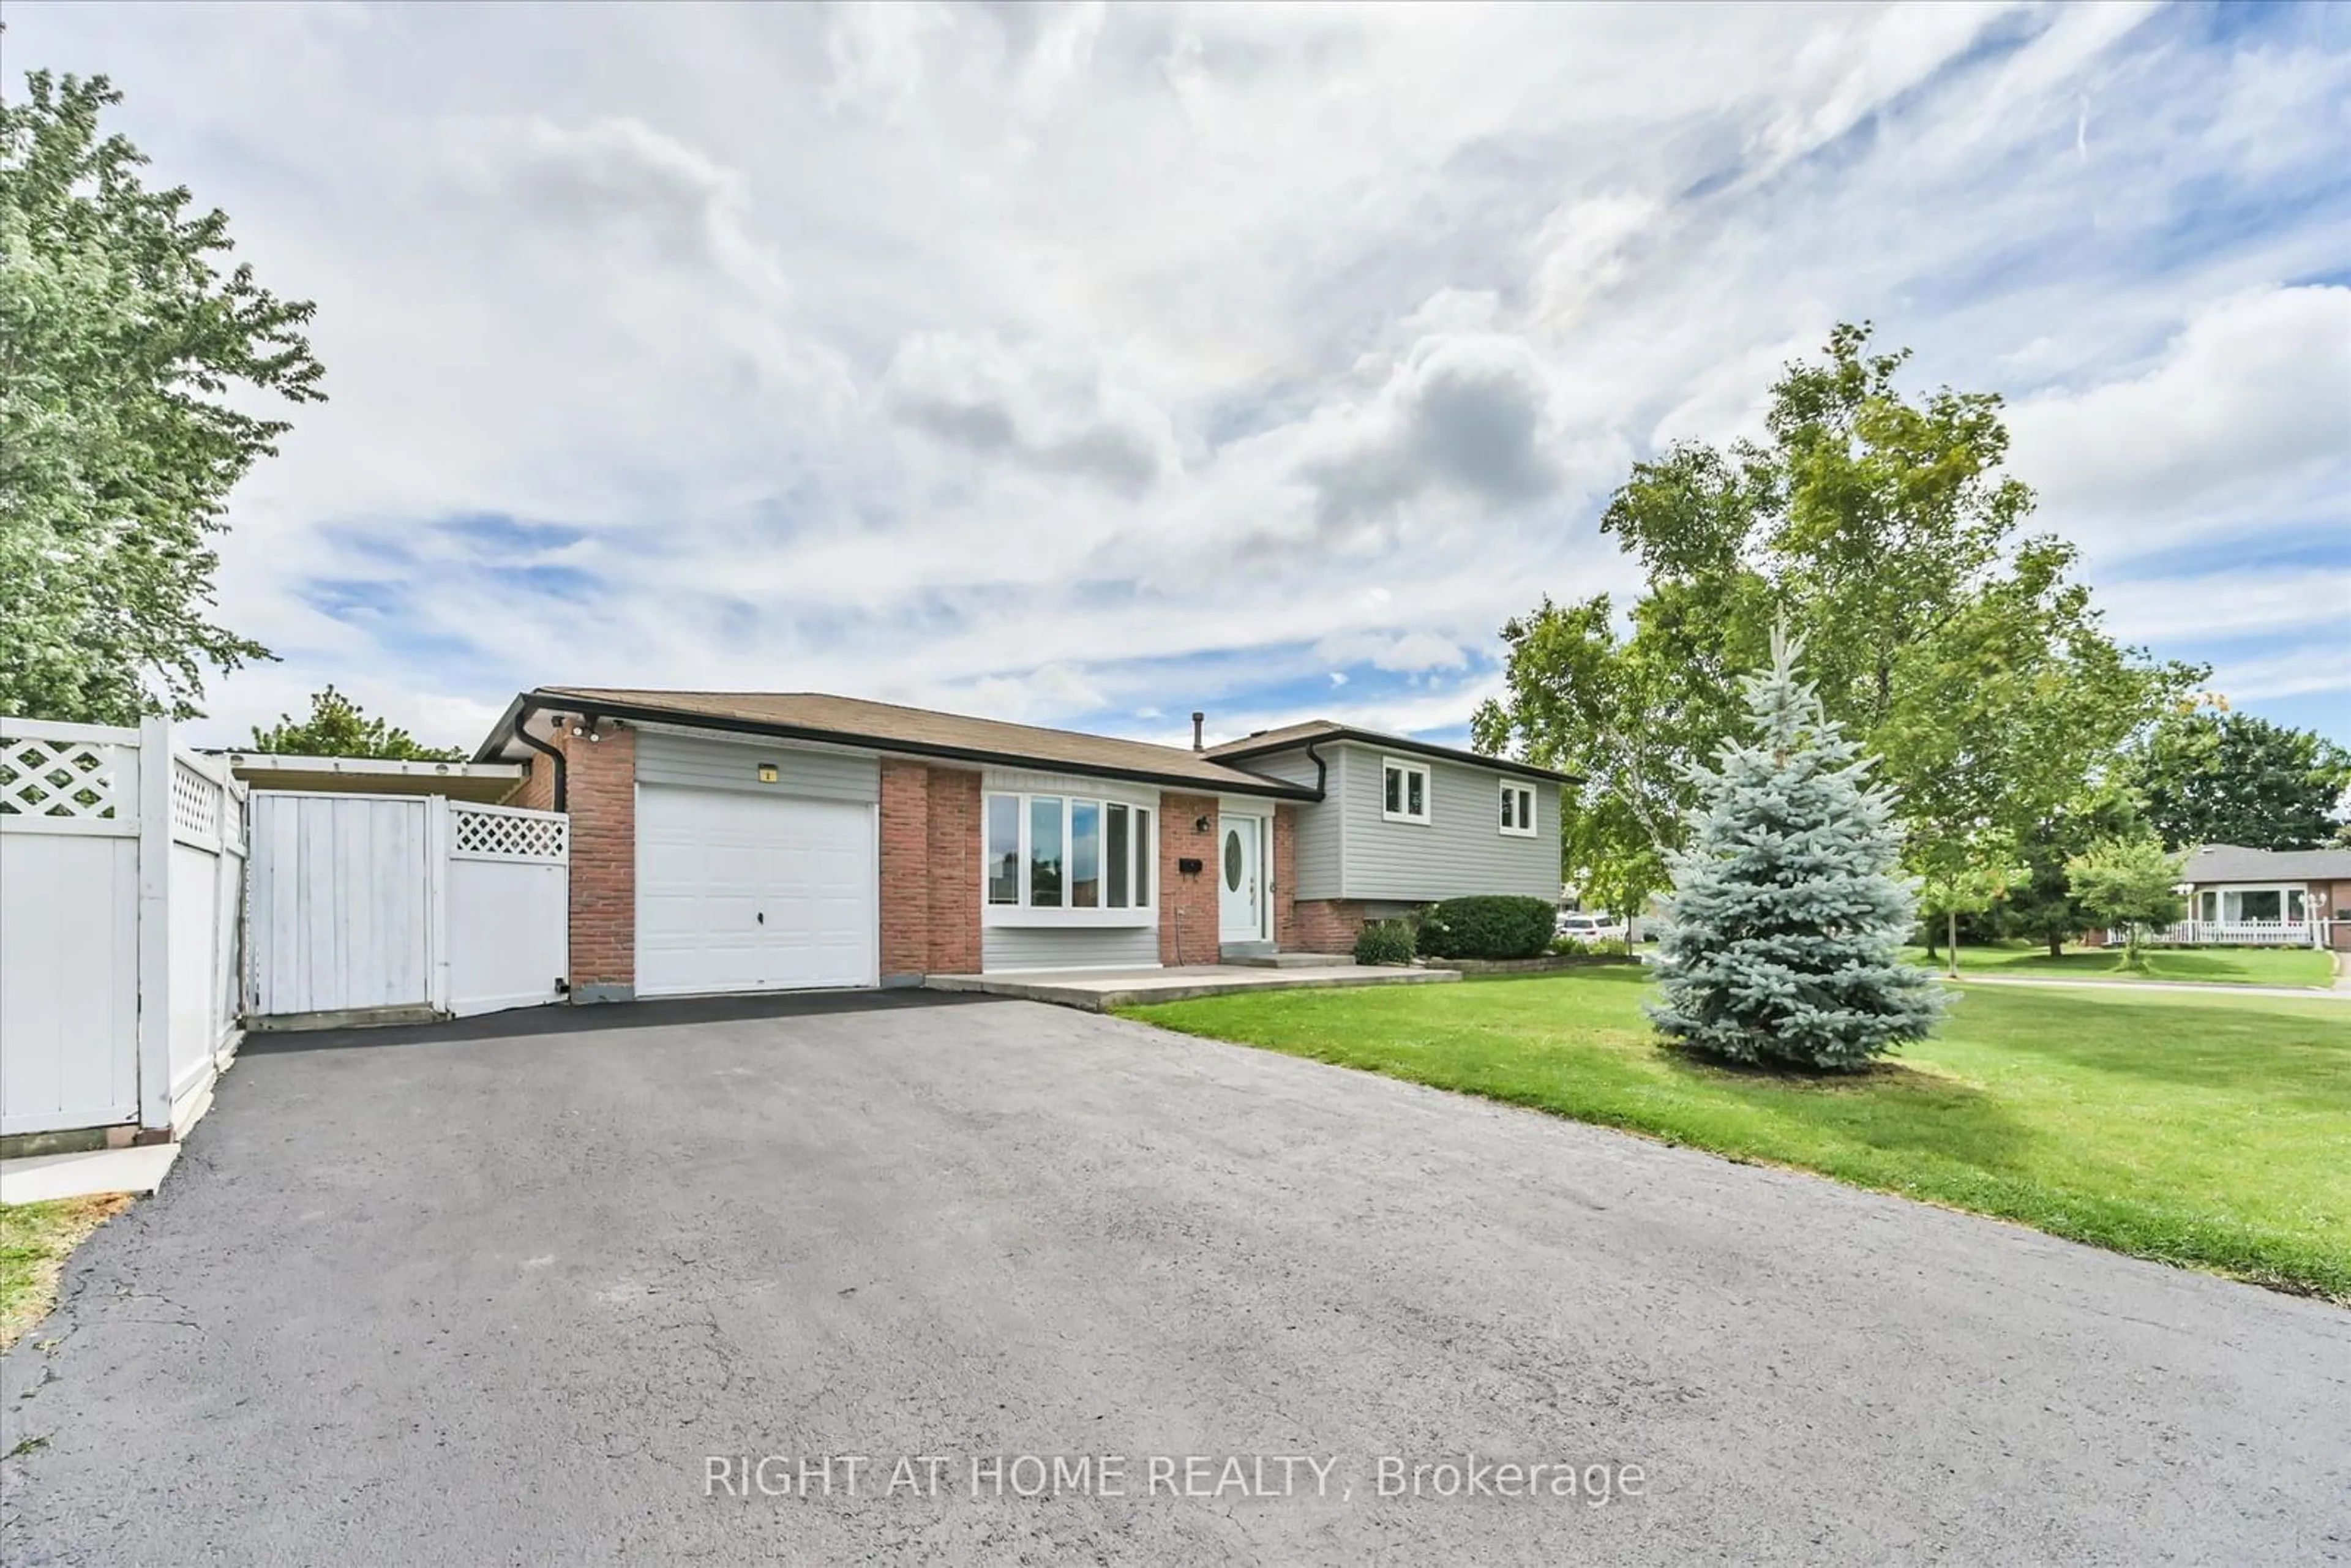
(1487, 925)
(2191, 1127)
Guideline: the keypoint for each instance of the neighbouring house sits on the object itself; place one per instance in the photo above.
(743, 841)
(2298, 898)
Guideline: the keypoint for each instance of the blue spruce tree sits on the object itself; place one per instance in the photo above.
(1788, 917)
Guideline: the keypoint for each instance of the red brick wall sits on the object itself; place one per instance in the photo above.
(1188, 904)
(954, 851)
(1285, 871)
(601, 790)
(2336, 896)
(537, 793)
(930, 870)
(905, 855)
(1327, 924)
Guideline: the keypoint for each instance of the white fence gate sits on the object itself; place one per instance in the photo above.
(121, 863)
(367, 903)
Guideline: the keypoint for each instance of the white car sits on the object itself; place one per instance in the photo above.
(1589, 927)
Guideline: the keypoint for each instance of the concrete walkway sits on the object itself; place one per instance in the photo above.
(39, 1178)
(2340, 992)
(1099, 990)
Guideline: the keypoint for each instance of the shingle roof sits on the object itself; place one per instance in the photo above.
(887, 726)
(1287, 736)
(1266, 742)
(2232, 862)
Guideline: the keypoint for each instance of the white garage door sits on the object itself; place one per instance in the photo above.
(752, 893)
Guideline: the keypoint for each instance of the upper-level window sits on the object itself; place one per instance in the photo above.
(1517, 809)
(1058, 851)
(1404, 791)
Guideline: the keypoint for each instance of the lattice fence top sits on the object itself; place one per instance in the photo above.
(195, 802)
(63, 778)
(480, 832)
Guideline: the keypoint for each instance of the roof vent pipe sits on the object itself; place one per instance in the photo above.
(1198, 719)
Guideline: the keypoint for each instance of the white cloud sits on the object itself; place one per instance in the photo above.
(2317, 669)
(2229, 604)
(2247, 410)
(1468, 414)
(1406, 652)
(1586, 249)
(1066, 360)
(971, 391)
(880, 55)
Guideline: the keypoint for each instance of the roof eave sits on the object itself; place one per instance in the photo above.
(1399, 743)
(1242, 782)
(493, 745)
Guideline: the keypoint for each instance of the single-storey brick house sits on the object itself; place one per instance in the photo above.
(742, 841)
(2295, 897)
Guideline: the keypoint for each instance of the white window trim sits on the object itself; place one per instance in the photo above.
(2286, 892)
(1063, 915)
(1526, 823)
(1427, 792)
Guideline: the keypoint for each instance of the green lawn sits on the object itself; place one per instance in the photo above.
(34, 1240)
(2210, 966)
(2196, 1128)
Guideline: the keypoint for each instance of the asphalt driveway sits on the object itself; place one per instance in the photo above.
(457, 1296)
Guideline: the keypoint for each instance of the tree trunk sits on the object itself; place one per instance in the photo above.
(2058, 945)
(1951, 935)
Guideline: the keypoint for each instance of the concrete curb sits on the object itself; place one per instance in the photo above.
(1101, 996)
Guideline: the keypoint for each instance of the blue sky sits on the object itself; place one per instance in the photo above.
(1086, 366)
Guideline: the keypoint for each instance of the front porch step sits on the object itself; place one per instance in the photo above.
(1272, 960)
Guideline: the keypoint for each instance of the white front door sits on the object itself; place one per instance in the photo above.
(1240, 879)
(738, 892)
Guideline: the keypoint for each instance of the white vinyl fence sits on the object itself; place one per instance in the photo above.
(2233, 934)
(121, 868)
(369, 904)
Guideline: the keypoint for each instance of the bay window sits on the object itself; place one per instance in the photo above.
(1087, 860)
(1116, 856)
(1045, 851)
(1004, 849)
(1085, 854)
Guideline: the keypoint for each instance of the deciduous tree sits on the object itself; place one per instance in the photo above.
(2128, 883)
(128, 362)
(2042, 907)
(2207, 775)
(337, 727)
(1885, 529)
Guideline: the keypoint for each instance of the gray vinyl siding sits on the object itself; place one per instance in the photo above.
(1347, 848)
(1460, 850)
(1318, 844)
(1074, 947)
(664, 759)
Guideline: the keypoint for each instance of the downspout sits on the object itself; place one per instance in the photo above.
(1321, 772)
(563, 780)
(1322, 794)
